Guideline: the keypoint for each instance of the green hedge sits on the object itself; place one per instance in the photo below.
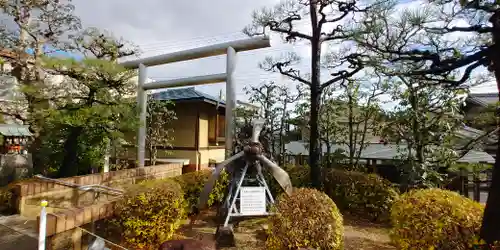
(307, 219)
(150, 213)
(435, 219)
(192, 185)
(299, 177)
(366, 195)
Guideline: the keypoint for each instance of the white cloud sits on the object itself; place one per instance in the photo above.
(167, 26)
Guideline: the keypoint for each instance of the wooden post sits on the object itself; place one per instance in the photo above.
(477, 188)
(461, 188)
(217, 119)
(477, 183)
(466, 184)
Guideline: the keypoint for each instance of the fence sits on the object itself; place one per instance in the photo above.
(72, 203)
(476, 185)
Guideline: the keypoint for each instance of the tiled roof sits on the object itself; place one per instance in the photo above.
(15, 130)
(383, 152)
(483, 99)
(186, 94)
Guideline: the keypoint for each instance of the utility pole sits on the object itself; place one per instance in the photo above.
(217, 118)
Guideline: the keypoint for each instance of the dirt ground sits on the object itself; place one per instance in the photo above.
(358, 235)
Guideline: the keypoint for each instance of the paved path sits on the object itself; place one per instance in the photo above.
(17, 233)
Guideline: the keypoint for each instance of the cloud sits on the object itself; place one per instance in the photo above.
(165, 26)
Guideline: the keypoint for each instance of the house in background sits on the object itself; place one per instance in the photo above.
(475, 104)
(377, 151)
(198, 131)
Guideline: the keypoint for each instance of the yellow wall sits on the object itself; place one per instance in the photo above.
(203, 136)
(184, 133)
(216, 154)
(185, 125)
(179, 154)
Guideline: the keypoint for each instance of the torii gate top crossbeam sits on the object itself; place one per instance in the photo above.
(227, 48)
(201, 52)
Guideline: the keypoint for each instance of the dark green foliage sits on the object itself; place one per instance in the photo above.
(93, 112)
(299, 176)
(309, 218)
(361, 194)
(7, 205)
(159, 132)
(92, 105)
(366, 195)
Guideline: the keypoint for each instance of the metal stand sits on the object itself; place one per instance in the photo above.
(246, 171)
(230, 211)
(244, 178)
(248, 176)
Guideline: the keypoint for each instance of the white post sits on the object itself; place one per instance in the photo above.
(43, 226)
(230, 99)
(142, 103)
(107, 156)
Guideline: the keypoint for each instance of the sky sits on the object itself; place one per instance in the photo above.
(159, 26)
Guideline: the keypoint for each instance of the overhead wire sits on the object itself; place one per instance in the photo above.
(269, 49)
(203, 39)
(191, 38)
(261, 73)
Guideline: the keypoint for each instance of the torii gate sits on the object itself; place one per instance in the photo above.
(228, 48)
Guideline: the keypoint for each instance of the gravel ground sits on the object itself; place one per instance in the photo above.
(358, 235)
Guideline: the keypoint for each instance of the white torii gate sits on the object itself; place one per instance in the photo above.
(228, 48)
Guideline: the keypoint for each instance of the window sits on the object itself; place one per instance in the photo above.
(216, 129)
(211, 128)
(222, 126)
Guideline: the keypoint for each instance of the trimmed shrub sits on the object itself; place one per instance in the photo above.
(365, 195)
(435, 219)
(299, 175)
(309, 218)
(192, 185)
(149, 213)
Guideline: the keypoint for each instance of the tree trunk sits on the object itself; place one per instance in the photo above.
(150, 153)
(282, 139)
(352, 141)
(314, 145)
(367, 116)
(328, 154)
(154, 155)
(490, 229)
(69, 165)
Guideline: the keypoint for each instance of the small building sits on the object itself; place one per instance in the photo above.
(15, 160)
(198, 132)
(14, 138)
(476, 104)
